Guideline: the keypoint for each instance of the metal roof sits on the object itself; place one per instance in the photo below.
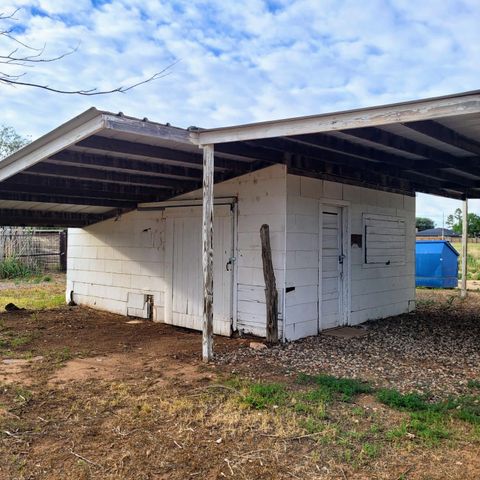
(100, 164)
(437, 232)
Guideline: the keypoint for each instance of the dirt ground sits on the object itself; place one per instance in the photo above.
(92, 395)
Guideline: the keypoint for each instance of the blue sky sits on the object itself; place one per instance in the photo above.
(245, 61)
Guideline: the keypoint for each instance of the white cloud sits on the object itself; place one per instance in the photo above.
(243, 62)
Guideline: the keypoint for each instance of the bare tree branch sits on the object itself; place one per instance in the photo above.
(15, 58)
(90, 92)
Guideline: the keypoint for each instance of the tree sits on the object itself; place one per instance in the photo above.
(424, 223)
(473, 223)
(454, 221)
(15, 62)
(10, 141)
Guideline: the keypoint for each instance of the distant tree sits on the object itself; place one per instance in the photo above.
(454, 221)
(10, 141)
(473, 224)
(473, 220)
(424, 223)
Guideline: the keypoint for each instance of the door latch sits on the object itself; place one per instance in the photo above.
(340, 259)
(229, 264)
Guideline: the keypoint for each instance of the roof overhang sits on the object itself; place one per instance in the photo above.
(430, 146)
(100, 164)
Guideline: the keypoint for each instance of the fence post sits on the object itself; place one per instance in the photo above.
(63, 250)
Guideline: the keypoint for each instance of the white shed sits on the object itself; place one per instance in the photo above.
(336, 190)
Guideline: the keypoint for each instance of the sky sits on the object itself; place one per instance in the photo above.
(232, 62)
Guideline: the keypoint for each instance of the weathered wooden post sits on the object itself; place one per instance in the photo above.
(463, 290)
(207, 258)
(62, 240)
(271, 294)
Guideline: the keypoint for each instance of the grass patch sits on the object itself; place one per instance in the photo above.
(410, 401)
(474, 384)
(262, 395)
(346, 388)
(468, 409)
(34, 297)
(429, 427)
(61, 356)
(9, 341)
(12, 267)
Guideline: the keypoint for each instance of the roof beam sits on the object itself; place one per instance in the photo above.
(31, 218)
(79, 172)
(161, 154)
(371, 178)
(446, 135)
(107, 162)
(68, 187)
(354, 149)
(63, 199)
(337, 173)
(400, 143)
(387, 139)
(391, 168)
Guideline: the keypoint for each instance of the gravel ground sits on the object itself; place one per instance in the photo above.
(435, 349)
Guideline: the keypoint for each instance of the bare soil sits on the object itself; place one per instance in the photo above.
(95, 397)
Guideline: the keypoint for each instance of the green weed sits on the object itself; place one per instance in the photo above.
(12, 267)
(474, 384)
(60, 356)
(428, 427)
(262, 395)
(346, 387)
(408, 401)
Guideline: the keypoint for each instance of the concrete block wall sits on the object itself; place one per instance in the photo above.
(261, 199)
(111, 259)
(108, 260)
(375, 292)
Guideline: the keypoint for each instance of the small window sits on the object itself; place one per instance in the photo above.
(385, 240)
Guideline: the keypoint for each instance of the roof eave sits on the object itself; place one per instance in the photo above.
(76, 129)
(432, 108)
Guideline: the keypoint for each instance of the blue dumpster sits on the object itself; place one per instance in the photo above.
(436, 264)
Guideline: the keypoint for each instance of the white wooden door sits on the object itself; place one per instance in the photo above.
(331, 268)
(184, 292)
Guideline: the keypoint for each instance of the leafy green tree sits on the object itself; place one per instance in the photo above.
(10, 141)
(424, 223)
(473, 224)
(473, 220)
(454, 221)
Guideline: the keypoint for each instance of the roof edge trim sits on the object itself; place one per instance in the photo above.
(431, 108)
(79, 127)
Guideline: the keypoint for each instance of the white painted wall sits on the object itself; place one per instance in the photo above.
(375, 292)
(109, 259)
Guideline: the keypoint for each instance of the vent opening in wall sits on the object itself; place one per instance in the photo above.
(140, 305)
(385, 240)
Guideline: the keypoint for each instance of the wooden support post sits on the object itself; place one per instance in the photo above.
(463, 291)
(207, 238)
(271, 294)
(62, 240)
